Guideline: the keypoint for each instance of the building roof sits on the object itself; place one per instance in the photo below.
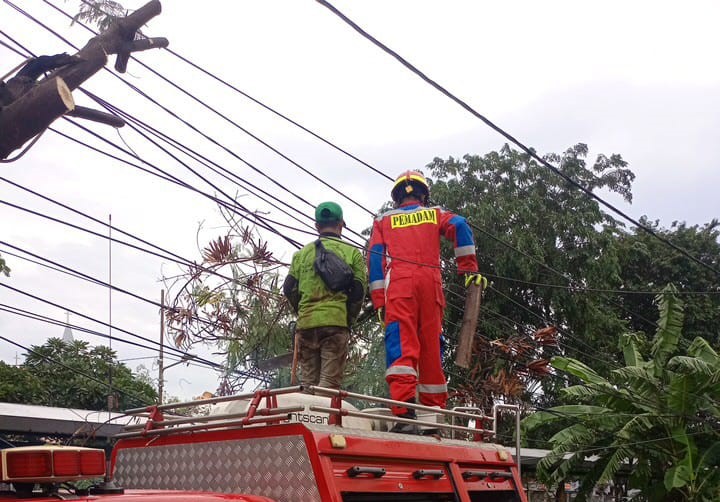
(29, 418)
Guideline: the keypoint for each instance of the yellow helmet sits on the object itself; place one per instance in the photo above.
(410, 183)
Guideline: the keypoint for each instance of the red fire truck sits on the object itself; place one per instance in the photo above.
(300, 444)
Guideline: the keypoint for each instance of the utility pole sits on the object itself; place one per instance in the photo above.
(162, 342)
(111, 399)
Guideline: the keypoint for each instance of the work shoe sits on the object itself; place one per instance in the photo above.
(403, 428)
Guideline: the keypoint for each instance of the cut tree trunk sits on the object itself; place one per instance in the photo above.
(32, 113)
(468, 326)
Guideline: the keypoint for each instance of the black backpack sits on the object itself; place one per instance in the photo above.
(335, 273)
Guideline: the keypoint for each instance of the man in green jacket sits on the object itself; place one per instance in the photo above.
(325, 316)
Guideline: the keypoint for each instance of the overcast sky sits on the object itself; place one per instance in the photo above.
(636, 78)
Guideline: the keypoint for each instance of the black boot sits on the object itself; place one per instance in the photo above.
(403, 428)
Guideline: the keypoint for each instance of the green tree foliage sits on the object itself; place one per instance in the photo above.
(658, 416)
(638, 249)
(232, 300)
(100, 12)
(365, 373)
(18, 385)
(507, 196)
(41, 380)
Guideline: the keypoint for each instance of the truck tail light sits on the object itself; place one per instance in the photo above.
(92, 463)
(50, 464)
(29, 464)
(66, 463)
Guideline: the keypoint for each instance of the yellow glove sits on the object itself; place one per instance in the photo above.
(476, 279)
(381, 315)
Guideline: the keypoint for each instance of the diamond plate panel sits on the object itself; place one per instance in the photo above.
(278, 468)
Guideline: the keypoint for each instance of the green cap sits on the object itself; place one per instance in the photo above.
(328, 212)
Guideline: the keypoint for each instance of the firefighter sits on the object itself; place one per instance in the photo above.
(325, 316)
(405, 280)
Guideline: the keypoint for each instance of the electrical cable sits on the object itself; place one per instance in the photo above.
(105, 324)
(113, 239)
(530, 152)
(167, 110)
(345, 152)
(581, 289)
(16, 51)
(254, 100)
(258, 220)
(58, 267)
(218, 169)
(170, 112)
(221, 115)
(189, 361)
(164, 175)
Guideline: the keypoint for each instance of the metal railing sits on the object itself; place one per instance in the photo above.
(157, 425)
(337, 411)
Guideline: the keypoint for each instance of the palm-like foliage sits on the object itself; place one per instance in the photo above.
(658, 416)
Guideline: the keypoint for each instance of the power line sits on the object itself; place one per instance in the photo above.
(581, 289)
(203, 160)
(190, 125)
(314, 134)
(530, 152)
(210, 74)
(254, 100)
(181, 261)
(48, 320)
(221, 115)
(115, 109)
(134, 335)
(161, 174)
(64, 269)
(260, 221)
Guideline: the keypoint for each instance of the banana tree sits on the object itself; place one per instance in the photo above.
(656, 420)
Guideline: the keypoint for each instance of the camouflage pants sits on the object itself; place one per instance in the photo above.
(323, 353)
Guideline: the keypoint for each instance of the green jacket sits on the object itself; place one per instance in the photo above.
(314, 303)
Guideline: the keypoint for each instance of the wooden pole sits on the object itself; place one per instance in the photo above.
(296, 349)
(473, 296)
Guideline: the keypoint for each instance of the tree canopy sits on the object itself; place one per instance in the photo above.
(536, 239)
(73, 375)
(557, 259)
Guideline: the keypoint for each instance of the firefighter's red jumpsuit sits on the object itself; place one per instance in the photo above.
(404, 266)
